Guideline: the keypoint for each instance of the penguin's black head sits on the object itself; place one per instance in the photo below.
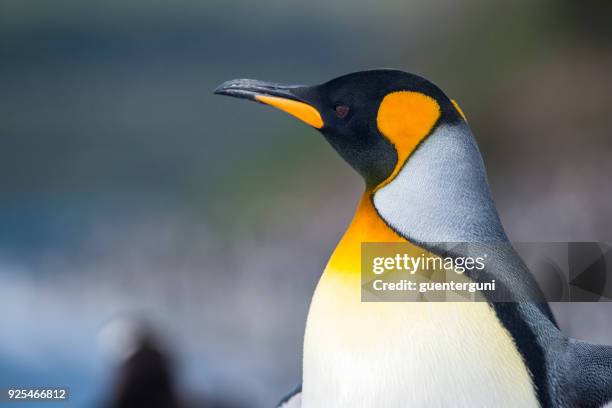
(374, 119)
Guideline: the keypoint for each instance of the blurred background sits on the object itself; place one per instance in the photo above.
(129, 190)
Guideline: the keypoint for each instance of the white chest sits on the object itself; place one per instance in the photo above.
(407, 354)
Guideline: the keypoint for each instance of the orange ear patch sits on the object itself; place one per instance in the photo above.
(405, 118)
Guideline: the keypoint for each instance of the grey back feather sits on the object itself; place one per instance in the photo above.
(442, 194)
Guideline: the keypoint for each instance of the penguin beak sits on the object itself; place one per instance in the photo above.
(283, 97)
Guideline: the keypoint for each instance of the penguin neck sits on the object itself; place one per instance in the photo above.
(366, 226)
(441, 194)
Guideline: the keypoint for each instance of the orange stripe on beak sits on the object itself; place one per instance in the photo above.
(300, 110)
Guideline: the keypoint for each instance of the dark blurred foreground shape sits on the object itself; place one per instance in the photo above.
(147, 379)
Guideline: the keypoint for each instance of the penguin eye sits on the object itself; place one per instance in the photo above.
(341, 111)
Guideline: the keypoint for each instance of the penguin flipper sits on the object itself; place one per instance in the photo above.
(591, 371)
(293, 399)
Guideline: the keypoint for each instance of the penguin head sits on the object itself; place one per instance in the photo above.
(374, 119)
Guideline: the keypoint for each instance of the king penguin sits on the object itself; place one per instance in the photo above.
(425, 182)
